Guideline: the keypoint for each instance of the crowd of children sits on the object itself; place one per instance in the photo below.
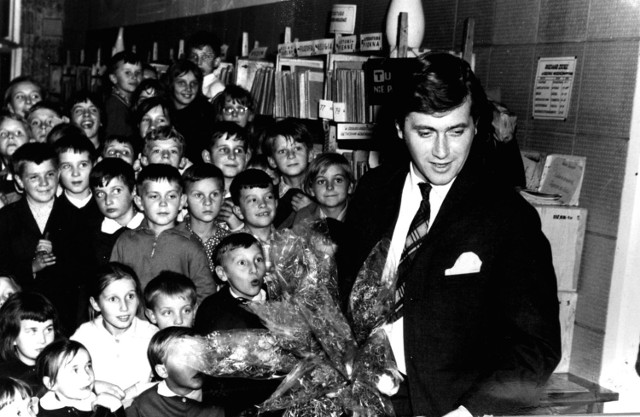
(129, 224)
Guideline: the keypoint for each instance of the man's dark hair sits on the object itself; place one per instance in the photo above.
(201, 39)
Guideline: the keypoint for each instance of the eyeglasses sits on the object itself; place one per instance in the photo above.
(237, 110)
(15, 134)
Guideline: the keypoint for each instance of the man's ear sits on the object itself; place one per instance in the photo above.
(206, 156)
(399, 130)
(220, 273)
(150, 315)
(138, 201)
(161, 370)
(236, 210)
(94, 304)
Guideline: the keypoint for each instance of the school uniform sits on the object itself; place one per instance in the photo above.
(160, 401)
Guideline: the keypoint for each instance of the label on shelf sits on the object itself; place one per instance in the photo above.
(325, 110)
(306, 48)
(258, 53)
(323, 46)
(371, 41)
(287, 49)
(354, 131)
(339, 112)
(347, 44)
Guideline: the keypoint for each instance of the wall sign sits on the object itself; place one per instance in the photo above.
(552, 89)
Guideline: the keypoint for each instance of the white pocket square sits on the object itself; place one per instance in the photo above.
(467, 263)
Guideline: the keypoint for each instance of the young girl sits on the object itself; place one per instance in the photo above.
(116, 339)
(15, 398)
(8, 287)
(28, 323)
(65, 369)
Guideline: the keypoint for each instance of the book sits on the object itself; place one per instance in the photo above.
(563, 175)
(246, 71)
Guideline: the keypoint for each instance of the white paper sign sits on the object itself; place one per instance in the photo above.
(325, 109)
(371, 41)
(347, 44)
(287, 49)
(323, 46)
(343, 19)
(258, 53)
(306, 48)
(552, 90)
(339, 112)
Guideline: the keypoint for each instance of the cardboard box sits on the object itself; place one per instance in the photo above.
(564, 226)
(568, 301)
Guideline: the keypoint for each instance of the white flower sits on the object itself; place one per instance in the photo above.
(387, 385)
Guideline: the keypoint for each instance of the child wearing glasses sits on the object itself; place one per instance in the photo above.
(236, 105)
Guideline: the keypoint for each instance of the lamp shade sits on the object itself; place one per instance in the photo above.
(416, 22)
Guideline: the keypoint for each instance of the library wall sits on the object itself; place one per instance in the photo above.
(604, 36)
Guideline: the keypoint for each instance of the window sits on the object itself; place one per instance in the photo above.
(10, 56)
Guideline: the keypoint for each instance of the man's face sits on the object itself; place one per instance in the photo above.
(439, 143)
(184, 89)
(204, 58)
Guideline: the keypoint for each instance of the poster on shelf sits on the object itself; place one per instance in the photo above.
(552, 89)
(343, 19)
(371, 41)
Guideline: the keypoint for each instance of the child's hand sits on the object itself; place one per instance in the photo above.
(103, 387)
(300, 200)
(226, 215)
(108, 401)
(43, 256)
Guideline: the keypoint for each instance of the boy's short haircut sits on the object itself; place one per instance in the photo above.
(171, 284)
(148, 104)
(163, 133)
(126, 57)
(161, 343)
(232, 93)
(232, 242)
(201, 39)
(62, 130)
(249, 178)
(201, 171)
(34, 152)
(21, 79)
(109, 168)
(181, 67)
(148, 67)
(148, 84)
(5, 115)
(84, 96)
(158, 172)
(76, 144)
(230, 129)
(45, 104)
(290, 129)
(125, 140)
(321, 163)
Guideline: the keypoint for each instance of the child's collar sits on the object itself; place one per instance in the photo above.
(165, 391)
(121, 95)
(50, 401)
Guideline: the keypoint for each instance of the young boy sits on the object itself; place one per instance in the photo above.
(235, 104)
(204, 51)
(170, 300)
(13, 134)
(41, 242)
(42, 117)
(85, 111)
(179, 394)
(76, 156)
(204, 186)
(22, 93)
(125, 73)
(164, 145)
(112, 183)
(119, 147)
(287, 146)
(156, 245)
(228, 150)
(255, 202)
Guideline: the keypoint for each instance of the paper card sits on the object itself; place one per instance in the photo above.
(305, 48)
(258, 53)
(357, 131)
(340, 112)
(325, 110)
(347, 44)
(343, 18)
(287, 49)
(323, 46)
(371, 41)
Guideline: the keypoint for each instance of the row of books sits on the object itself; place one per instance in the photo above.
(348, 86)
(262, 90)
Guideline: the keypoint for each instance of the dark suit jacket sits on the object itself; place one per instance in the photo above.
(486, 340)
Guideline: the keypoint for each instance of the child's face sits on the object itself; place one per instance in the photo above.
(115, 149)
(204, 199)
(41, 122)
(166, 151)
(127, 77)
(229, 155)
(39, 181)
(290, 157)
(184, 89)
(75, 378)
(236, 112)
(172, 310)
(27, 407)
(243, 269)
(23, 96)
(74, 171)
(180, 376)
(86, 116)
(153, 119)
(118, 304)
(161, 201)
(6, 289)
(205, 59)
(33, 337)
(331, 187)
(114, 200)
(12, 136)
(257, 206)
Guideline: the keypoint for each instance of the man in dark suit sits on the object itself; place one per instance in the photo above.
(477, 329)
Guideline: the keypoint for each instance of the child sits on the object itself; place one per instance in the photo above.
(8, 287)
(191, 113)
(61, 130)
(235, 104)
(170, 300)
(85, 111)
(41, 242)
(255, 203)
(125, 74)
(148, 87)
(204, 51)
(180, 391)
(204, 186)
(42, 117)
(152, 113)
(164, 145)
(156, 245)
(116, 339)
(66, 371)
(13, 134)
(330, 181)
(28, 323)
(15, 398)
(112, 183)
(287, 146)
(76, 156)
(22, 93)
(120, 147)
(260, 161)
